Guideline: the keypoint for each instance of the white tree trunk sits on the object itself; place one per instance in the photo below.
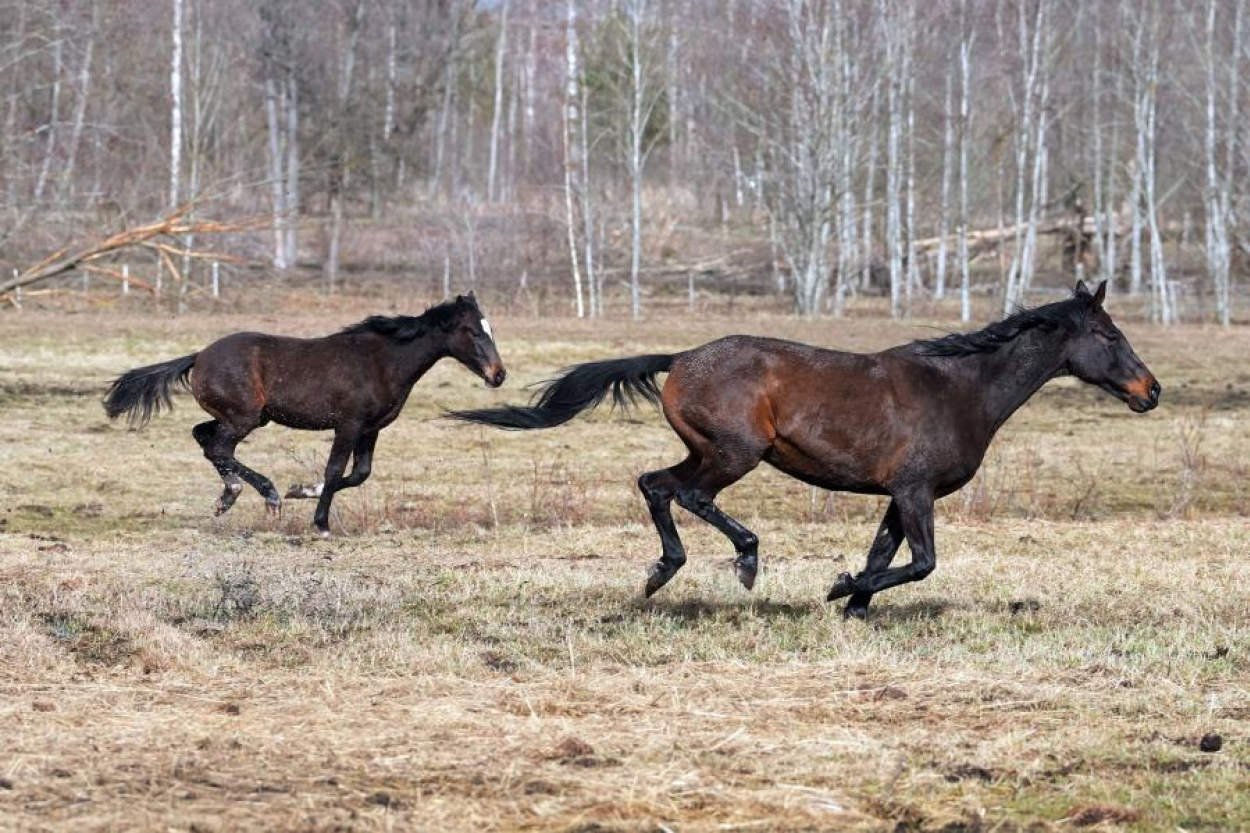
(1220, 182)
(1096, 112)
(392, 75)
(594, 279)
(292, 167)
(339, 176)
(893, 172)
(500, 47)
(276, 169)
(869, 192)
(965, 129)
(80, 107)
(175, 113)
(571, 123)
(54, 116)
(530, 111)
(636, 10)
(913, 265)
(445, 116)
(1033, 46)
(948, 153)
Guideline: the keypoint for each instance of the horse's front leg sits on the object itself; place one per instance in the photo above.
(884, 547)
(362, 465)
(339, 452)
(915, 511)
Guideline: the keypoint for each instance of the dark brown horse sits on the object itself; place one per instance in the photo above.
(354, 382)
(912, 422)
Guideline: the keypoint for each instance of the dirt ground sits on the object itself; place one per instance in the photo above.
(472, 651)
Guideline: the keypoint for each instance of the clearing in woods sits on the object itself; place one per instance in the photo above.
(472, 650)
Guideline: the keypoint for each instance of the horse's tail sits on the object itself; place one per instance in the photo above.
(579, 388)
(146, 390)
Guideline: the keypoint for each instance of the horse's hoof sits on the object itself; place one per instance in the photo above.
(860, 613)
(745, 569)
(228, 496)
(302, 490)
(843, 587)
(657, 577)
(322, 531)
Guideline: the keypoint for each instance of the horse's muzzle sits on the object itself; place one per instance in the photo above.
(1144, 397)
(496, 377)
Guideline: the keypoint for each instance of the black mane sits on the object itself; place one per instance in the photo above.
(1069, 314)
(405, 328)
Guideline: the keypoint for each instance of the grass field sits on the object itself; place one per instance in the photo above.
(472, 650)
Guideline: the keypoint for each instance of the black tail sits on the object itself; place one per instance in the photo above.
(145, 390)
(579, 388)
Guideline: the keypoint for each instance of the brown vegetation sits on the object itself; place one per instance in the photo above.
(474, 653)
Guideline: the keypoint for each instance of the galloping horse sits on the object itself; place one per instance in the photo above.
(912, 422)
(354, 382)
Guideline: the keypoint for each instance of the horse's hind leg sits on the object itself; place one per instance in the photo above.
(219, 442)
(658, 489)
(204, 434)
(884, 547)
(697, 494)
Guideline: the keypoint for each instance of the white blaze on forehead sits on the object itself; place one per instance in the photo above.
(486, 328)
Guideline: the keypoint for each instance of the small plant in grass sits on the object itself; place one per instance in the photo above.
(237, 594)
(1191, 432)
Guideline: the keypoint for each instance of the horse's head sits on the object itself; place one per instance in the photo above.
(1100, 355)
(472, 343)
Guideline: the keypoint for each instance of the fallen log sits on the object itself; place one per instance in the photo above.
(151, 235)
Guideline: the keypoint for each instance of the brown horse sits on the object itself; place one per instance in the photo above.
(912, 422)
(354, 383)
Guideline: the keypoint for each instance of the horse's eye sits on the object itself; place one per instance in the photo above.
(1108, 337)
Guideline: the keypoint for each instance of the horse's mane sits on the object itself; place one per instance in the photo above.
(1069, 314)
(405, 328)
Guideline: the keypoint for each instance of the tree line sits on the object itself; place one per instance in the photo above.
(922, 150)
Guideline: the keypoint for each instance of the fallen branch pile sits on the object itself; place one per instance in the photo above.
(160, 236)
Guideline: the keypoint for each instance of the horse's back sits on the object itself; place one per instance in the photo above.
(835, 418)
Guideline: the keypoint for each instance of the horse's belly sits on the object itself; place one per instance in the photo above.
(833, 469)
(307, 421)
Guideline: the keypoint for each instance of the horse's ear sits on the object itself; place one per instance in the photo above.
(1099, 295)
(470, 296)
(1081, 289)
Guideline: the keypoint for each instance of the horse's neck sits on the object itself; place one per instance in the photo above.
(415, 358)
(1012, 374)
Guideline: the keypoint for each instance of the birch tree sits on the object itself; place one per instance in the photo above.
(175, 113)
(572, 124)
(644, 95)
(966, 38)
(897, 44)
(1145, 69)
(282, 121)
(54, 110)
(341, 141)
(948, 153)
(796, 116)
(1220, 177)
(83, 97)
(500, 52)
(1030, 138)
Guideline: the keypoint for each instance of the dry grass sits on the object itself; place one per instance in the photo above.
(474, 653)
